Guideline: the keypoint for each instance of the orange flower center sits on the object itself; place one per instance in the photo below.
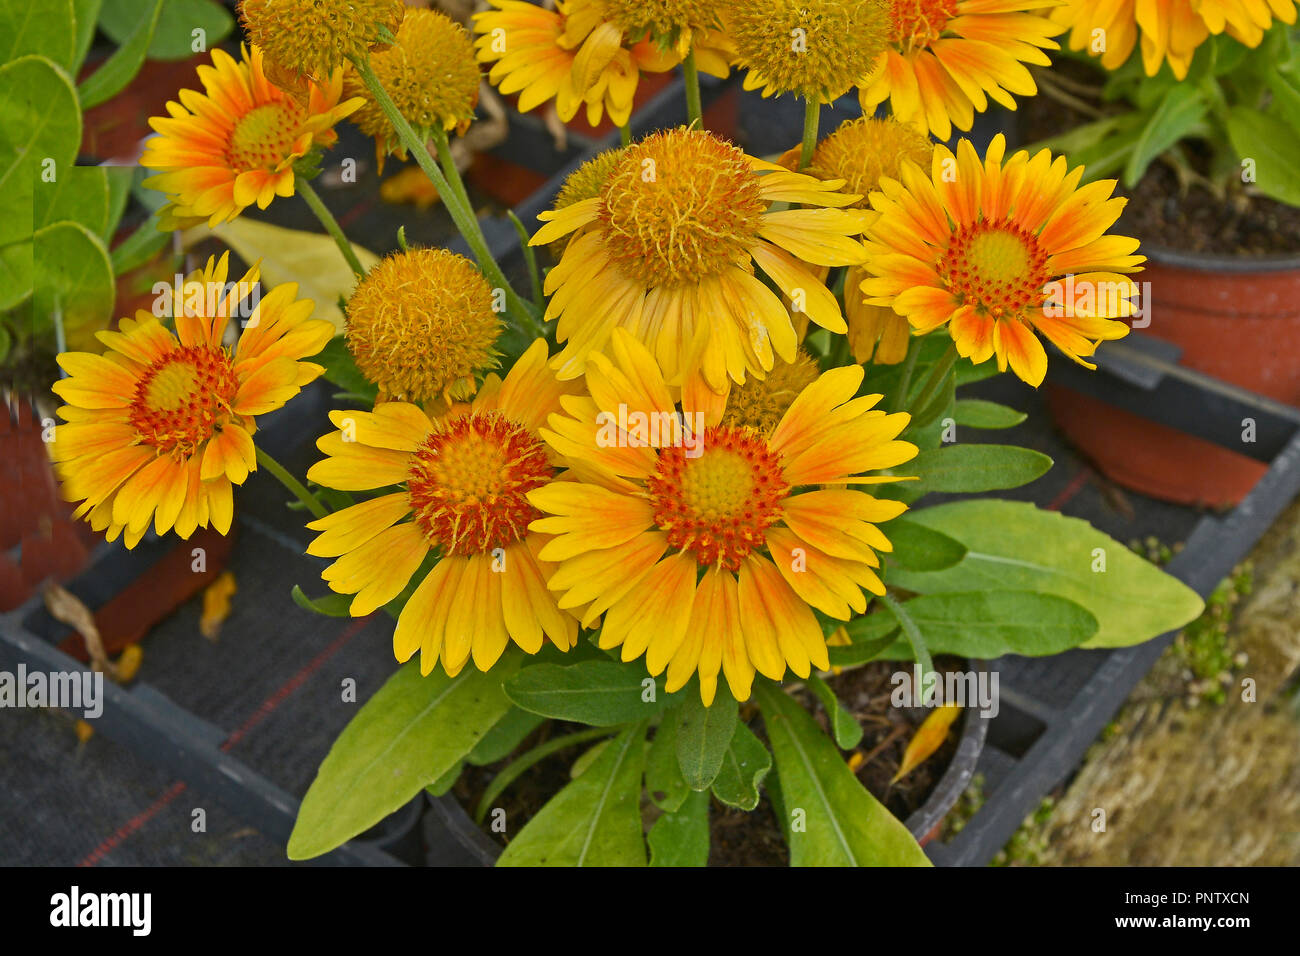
(680, 206)
(918, 23)
(264, 137)
(182, 397)
(468, 483)
(720, 504)
(999, 268)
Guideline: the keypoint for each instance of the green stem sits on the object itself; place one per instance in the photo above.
(625, 136)
(511, 773)
(691, 73)
(530, 259)
(812, 115)
(909, 367)
(317, 205)
(935, 382)
(296, 487)
(462, 214)
(448, 164)
(912, 633)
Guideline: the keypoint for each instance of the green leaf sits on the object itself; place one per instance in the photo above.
(1180, 109)
(703, 735)
(918, 548)
(912, 632)
(85, 15)
(847, 731)
(745, 766)
(504, 737)
(596, 819)
(17, 274)
(409, 734)
(43, 27)
(681, 838)
(1013, 545)
(139, 247)
(600, 693)
(72, 272)
(842, 824)
(120, 180)
(1275, 148)
(586, 759)
(873, 635)
(330, 605)
(972, 467)
(448, 780)
(663, 776)
(173, 39)
(1285, 103)
(977, 413)
(120, 69)
(6, 342)
(341, 369)
(982, 625)
(78, 194)
(39, 122)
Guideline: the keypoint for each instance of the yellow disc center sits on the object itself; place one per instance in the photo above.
(264, 137)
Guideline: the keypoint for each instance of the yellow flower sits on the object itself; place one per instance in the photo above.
(570, 55)
(816, 48)
(421, 325)
(668, 249)
(464, 480)
(1169, 29)
(160, 427)
(998, 251)
(313, 38)
(234, 144)
(431, 75)
(709, 548)
(760, 404)
(860, 152)
(950, 57)
(679, 25)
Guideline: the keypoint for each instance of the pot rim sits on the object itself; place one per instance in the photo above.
(1216, 263)
(956, 777)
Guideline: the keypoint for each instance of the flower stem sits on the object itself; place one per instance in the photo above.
(295, 487)
(811, 122)
(462, 214)
(909, 367)
(935, 382)
(625, 135)
(510, 773)
(317, 205)
(691, 73)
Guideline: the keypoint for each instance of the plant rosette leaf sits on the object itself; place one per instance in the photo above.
(829, 818)
(681, 838)
(116, 73)
(745, 766)
(599, 693)
(1012, 545)
(703, 735)
(664, 782)
(1272, 149)
(412, 732)
(596, 819)
(46, 29)
(970, 468)
(977, 413)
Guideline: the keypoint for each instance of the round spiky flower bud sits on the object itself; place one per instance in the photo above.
(314, 37)
(816, 48)
(761, 402)
(430, 74)
(421, 325)
(864, 149)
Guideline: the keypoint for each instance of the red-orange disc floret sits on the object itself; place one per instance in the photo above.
(1000, 268)
(719, 504)
(469, 481)
(182, 397)
(918, 23)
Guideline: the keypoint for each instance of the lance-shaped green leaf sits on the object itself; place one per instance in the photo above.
(681, 838)
(505, 736)
(120, 69)
(918, 548)
(745, 765)
(663, 776)
(829, 818)
(969, 467)
(1012, 545)
(977, 413)
(411, 733)
(847, 731)
(600, 693)
(596, 819)
(46, 29)
(703, 735)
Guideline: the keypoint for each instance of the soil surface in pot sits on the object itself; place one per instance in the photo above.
(1160, 210)
(739, 838)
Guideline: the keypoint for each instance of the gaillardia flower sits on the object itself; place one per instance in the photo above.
(998, 251)
(160, 427)
(668, 248)
(463, 482)
(569, 54)
(233, 145)
(313, 38)
(708, 549)
(421, 325)
(948, 58)
(859, 153)
(1170, 30)
(816, 48)
(679, 25)
(431, 75)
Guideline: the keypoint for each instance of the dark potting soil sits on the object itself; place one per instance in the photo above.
(740, 838)
(1161, 211)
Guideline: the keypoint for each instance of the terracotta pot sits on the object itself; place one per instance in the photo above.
(1237, 320)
